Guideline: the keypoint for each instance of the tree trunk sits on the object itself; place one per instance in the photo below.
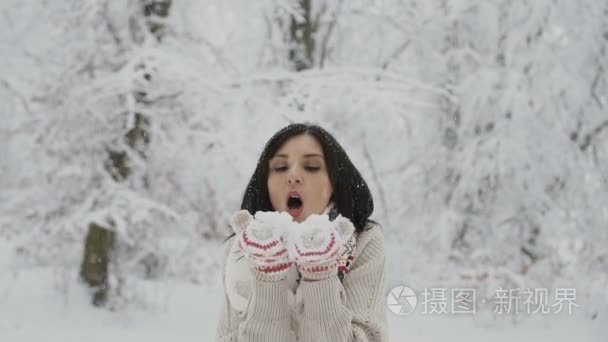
(100, 240)
(94, 268)
(302, 37)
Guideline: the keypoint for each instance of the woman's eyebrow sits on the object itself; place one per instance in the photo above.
(308, 155)
(311, 155)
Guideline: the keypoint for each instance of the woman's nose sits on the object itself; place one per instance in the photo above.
(294, 176)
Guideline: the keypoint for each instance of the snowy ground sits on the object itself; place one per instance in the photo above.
(33, 308)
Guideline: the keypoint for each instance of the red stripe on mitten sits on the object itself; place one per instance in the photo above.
(316, 244)
(261, 238)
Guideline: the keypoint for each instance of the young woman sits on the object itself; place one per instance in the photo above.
(333, 288)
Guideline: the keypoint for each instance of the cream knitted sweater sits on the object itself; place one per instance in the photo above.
(320, 311)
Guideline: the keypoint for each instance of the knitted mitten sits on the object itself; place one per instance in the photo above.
(316, 244)
(261, 240)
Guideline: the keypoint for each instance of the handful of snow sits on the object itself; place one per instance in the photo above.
(318, 239)
(315, 239)
(262, 236)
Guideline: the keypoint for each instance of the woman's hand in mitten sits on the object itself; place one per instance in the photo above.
(316, 244)
(261, 238)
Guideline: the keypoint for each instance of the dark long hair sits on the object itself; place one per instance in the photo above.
(351, 194)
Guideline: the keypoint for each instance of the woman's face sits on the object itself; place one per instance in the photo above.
(298, 182)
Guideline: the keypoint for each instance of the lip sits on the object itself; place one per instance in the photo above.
(294, 194)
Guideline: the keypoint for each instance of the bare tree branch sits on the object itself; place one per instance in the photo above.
(367, 156)
(111, 28)
(594, 85)
(20, 96)
(591, 135)
(328, 33)
(393, 56)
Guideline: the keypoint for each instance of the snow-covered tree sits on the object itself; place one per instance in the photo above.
(479, 126)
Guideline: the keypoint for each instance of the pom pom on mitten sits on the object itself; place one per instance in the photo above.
(261, 238)
(316, 244)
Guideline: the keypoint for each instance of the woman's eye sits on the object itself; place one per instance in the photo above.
(312, 168)
(280, 168)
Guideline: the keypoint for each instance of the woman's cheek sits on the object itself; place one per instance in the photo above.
(326, 194)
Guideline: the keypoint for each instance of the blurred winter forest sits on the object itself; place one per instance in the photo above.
(129, 130)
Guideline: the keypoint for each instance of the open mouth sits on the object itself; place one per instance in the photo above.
(295, 205)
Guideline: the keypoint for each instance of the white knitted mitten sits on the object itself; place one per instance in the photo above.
(316, 244)
(261, 238)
